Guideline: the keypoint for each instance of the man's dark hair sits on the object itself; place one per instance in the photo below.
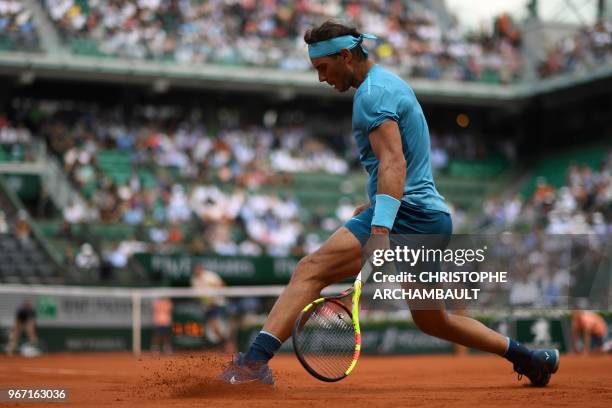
(333, 29)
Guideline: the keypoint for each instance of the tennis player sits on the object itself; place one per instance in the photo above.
(593, 329)
(393, 140)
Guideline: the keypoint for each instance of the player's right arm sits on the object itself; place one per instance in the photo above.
(386, 144)
(376, 113)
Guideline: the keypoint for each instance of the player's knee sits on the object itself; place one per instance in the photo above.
(309, 272)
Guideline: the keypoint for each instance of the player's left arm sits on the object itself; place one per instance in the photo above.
(386, 144)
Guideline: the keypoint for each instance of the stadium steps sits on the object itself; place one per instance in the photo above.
(47, 33)
(24, 261)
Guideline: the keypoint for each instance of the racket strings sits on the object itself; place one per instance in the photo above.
(329, 364)
(327, 339)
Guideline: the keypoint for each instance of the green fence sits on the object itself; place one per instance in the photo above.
(378, 337)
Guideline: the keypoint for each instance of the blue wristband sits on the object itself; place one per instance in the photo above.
(385, 210)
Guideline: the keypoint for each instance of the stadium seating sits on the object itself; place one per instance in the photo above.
(568, 193)
(17, 30)
(145, 166)
(553, 168)
(587, 49)
(23, 259)
(417, 40)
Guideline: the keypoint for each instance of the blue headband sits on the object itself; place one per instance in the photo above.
(334, 45)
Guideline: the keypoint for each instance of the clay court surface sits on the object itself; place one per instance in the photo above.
(188, 380)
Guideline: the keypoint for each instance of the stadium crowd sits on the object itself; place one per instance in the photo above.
(558, 241)
(545, 270)
(15, 141)
(581, 206)
(210, 171)
(554, 262)
(468, 146)
(16, 27)
(411, 36)
(214, 176)
(590, 48)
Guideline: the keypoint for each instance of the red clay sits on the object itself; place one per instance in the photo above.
(188, 380)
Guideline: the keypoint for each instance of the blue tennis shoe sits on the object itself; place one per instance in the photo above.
(240, 371)
(543, 364)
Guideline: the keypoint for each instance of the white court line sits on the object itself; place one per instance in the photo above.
(63, 371)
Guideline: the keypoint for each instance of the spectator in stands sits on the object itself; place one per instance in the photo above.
(4, 227)
(587, 49)
(131, 246)
(133, 212)
(246, 215)
(219, 237)
(158, 235)
(25, 321)
(175, 234)
(75, 212)
(249, 248)
(22, 227)
(87, 258)
(18, 137)
(16, 26)
(119, 254)
(178, 206)
(116, 257)
(239, 155)
(412, 37)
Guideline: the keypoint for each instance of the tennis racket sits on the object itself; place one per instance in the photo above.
(326, 336)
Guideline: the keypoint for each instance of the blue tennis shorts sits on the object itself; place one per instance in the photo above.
(597, 341)
(408, 221)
